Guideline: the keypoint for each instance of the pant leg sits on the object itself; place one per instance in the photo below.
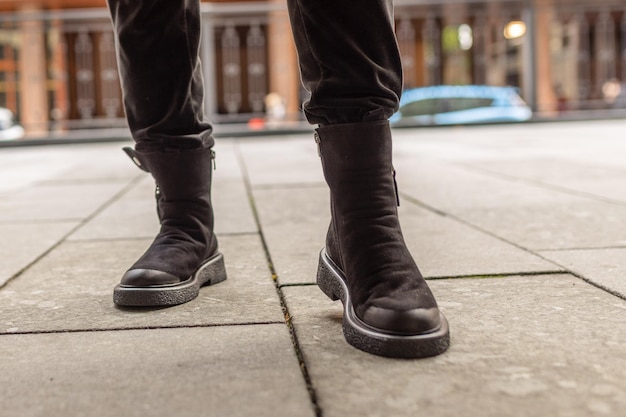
(157, 46)
(349, 59)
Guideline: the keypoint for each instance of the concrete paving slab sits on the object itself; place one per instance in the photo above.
(443, 143)
(590, 179)
(133, 215)
(445, 247)
(231, 204)
(521, 346)
(95, 162)
(168, 372)
(551, 226)
(295, 221)
(530, 215)
(585, 141)
(604, 267)
(71, 289)
(21, 167)
(552, 169)
(66, 201)
(227, 164)
(452, 188)
(285, 160)
(23, 243)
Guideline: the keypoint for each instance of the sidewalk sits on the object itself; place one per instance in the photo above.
(521, 229)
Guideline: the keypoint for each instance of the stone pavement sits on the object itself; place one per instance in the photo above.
(521, 230)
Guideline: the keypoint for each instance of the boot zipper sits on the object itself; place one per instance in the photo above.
(157, 197)
(395, 187)
(213, 160)
(318, 142)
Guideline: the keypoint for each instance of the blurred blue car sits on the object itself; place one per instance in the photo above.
(460, 104)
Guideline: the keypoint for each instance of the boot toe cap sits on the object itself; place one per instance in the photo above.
(148, 278)
(403, 322)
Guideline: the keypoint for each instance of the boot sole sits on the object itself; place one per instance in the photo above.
(332, 282)
(210, 272)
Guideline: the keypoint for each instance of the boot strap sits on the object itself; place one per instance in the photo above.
(135, 158)
(132, 154)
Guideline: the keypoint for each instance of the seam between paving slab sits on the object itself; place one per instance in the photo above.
(592, 282)
(439, 212)
(545, 185)
(291, 186)
(563, 269)
(121, 329)
(475, 276)
(500, 276)
(81, 223)
(581, 248)
(141, 238)
(41, 221)
(78, 181)
(292, 331)
(535, 252)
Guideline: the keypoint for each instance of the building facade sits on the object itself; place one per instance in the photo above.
(58, 70)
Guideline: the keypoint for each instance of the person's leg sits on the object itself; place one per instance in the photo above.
(157, 44)
(349, 60)
(350, 63)
(157, 48)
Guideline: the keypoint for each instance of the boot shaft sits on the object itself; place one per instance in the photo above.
(357, 164)
(183, 191)
(179, 173)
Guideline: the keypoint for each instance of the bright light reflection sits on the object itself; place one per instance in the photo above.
(466, 39)
(514, 29)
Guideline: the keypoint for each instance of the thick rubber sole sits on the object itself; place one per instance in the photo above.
(332, 282)
(210, 272)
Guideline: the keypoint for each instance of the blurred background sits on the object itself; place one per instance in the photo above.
(545, 59)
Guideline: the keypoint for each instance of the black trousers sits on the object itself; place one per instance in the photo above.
(347, 50)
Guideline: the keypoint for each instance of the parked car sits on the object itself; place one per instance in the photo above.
(9, 130)
(460, 104)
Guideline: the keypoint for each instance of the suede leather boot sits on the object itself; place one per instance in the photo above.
(184, 255)
(389, 309)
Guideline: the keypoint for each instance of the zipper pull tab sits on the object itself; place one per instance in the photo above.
(157, 197)
(213, 160)
(395, 187)
(318, 142)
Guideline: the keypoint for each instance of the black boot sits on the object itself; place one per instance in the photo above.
(388, 308)
(184, 255)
